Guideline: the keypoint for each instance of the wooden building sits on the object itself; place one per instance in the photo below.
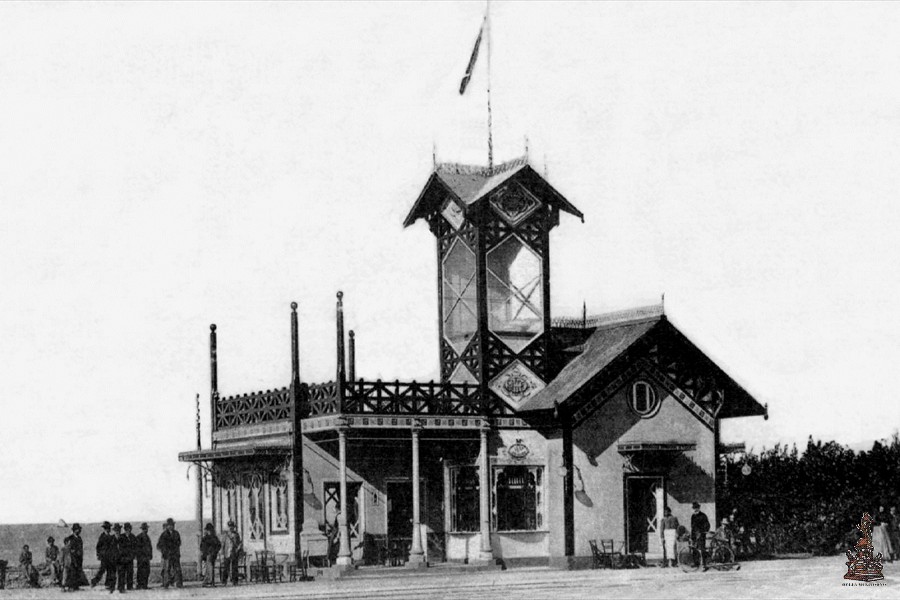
(541, 434)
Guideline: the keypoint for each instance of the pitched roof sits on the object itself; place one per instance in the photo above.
(604, 345)
(614, 334)
(471, 183)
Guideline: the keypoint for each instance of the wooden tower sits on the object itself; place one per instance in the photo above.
(493, 230)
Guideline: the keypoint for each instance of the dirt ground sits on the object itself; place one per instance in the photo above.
(811, 578)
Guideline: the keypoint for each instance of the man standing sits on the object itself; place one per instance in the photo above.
(209, 550)
(74, 575)
(231, 552)
(169, 546)
(669, 531)
(699, 528)
(126, 558)
(122, 551)
(144, 554)
(106, 548)
(51, 555)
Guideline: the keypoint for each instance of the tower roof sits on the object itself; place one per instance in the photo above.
(469, 184)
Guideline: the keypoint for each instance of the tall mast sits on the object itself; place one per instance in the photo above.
(490, 119)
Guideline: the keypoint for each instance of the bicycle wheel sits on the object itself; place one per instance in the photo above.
(689, 560)
(723, 557)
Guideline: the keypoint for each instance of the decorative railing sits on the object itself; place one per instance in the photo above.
(359, 397)
(248, 409)
(405, 398)
(323, 399)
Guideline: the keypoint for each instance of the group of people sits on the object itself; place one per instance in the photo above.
(886, 533)
(676, 536)
(119, 549)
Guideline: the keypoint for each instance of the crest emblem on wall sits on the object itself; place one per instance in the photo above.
(516, 383)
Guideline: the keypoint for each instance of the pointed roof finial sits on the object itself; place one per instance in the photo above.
(663, 302)
(434, 154)
(584, 314)
(526, 146)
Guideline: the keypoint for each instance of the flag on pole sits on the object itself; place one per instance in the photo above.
(465, 80)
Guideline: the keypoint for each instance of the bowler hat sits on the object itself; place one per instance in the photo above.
(50, 540)
(106, 525)
(127, 526)
(76, 527)
(170, 521)
(695, 505)
(209, 527)
(144, 526)
(117, 527)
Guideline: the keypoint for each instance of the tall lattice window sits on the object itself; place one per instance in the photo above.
(333, 505)
(518, 498)
(255, 508)
(464, 502)
(230, 503)
(278, 504)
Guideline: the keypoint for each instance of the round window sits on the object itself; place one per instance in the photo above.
(643, 399)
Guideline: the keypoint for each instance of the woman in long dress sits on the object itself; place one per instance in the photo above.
(881, 539)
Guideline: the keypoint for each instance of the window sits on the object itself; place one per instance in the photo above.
(255, 507)
(278, 504)
(518, 498)
(458, 292)
(230, 503)
(643, 399)
(464, 501)
(515, 293)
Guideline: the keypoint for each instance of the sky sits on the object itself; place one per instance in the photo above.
(164, 166)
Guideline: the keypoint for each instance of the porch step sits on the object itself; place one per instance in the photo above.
(436, 569)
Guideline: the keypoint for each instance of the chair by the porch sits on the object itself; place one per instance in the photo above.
(614, 558)
(298, 567)
(241, 569)
(599, 560)
(263, 568)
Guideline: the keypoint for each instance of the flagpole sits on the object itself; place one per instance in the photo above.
(490, 119)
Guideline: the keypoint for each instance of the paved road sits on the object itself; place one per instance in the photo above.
(814, 578)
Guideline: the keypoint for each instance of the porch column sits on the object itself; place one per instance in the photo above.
(484, 496)
(416, 554)
(343, 558)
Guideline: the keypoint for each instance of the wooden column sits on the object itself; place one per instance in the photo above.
(568, 486)
(341, 375)
(199, 507)
(484, 496)
(297, 400)
(344, 558)
(213, 399)
(416, 553)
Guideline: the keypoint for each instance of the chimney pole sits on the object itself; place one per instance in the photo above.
(298, 400)
(352, 357)
(341, 375)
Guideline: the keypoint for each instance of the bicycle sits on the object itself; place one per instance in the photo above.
(719, 555)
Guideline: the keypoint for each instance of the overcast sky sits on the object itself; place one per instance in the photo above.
(164, 166)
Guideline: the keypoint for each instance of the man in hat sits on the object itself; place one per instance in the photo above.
(231, 552)
(126, 555)
(144, 554)
(51, 556)
(73, 559)
(122, 551)
(699, 528)
(209, 550)
(169, 546)
(106, 554)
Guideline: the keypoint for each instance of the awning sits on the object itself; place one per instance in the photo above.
(632, 447)
(234, 453)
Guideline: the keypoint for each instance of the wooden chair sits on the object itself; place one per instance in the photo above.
(264, 567)
(298, 568)
(610, 555)
(598, 558)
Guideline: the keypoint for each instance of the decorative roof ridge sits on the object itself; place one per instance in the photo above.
(481, 170)
(616, 318)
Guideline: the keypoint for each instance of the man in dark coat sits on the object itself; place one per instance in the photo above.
(107, 554)
(126, 555)
(122, 552)
(51, 556)
(209, 550)
(73, 560)
(144, 554)
(169, 546)
(699, 528)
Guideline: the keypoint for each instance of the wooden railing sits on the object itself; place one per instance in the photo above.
(358, 397)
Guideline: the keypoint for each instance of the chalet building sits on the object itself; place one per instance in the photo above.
(542, 434)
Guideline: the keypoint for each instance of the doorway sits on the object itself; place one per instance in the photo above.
(644, 503)
(400, 517)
